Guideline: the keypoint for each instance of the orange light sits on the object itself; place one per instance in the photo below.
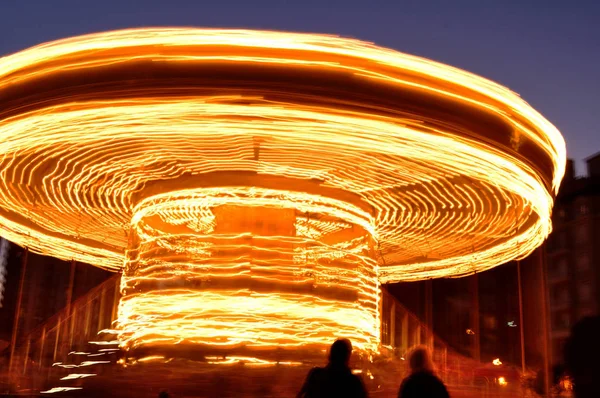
(502, 381)
(497, 362)
(128, 149)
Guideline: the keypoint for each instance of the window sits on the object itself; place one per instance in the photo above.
(581, 234)
(561, 320)
(558, 269)
(490, 322)
(587, 311)
(558, 347)
(584, 291)
(562, 240)
(583, 262)
(560, 295)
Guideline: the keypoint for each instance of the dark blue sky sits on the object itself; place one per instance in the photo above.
(548, 51)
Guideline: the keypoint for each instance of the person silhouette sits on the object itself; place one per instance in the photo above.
(582, 351)
(336, 379)
(422, 381)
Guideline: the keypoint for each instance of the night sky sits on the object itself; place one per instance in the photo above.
(547, 51)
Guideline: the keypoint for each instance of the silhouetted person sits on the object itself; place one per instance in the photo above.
(335, 379)
(582, 356)
(422, 382)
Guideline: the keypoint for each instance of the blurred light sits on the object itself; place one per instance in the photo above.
(497, 362)
(377, 193)
(60, 389)
(74, 376)
(502, 381)
(471, 332)
(512, 324)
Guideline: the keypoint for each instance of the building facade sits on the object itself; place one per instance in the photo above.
(573, 253)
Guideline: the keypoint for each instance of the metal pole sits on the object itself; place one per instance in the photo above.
(70, 288)
(429, 313)
(541, 254)
(115, 303)
(521, 325)
(42, 346)
(101, 309)
(27, 347)
(13, 341)
(475, 319)
(404, 333)
(88, 317)
(72, 329)
(57, 341)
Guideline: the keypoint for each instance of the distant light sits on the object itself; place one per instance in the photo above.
(469, 331)
(502, 381)
(512, 324)
(497, 362)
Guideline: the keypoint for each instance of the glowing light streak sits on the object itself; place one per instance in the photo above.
(75, 376)
(250, 361)
(151, 358)
(60, 389)
(377, 166)
(82, 364)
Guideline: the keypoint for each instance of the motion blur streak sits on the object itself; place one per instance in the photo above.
(257, 187)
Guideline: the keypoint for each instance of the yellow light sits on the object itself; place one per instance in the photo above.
(60, 389)
(74, 376)
(502, 381)
(497, 362)
(124, 150)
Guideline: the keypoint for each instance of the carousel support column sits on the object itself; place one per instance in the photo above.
(521, 325)
(70, 287)
(88, 318)
(15, 330)
(393, 324)
(73, 316)
(475, 317)
(26, 357)
(541, 263)
(101, 309)
(404, 333)
(115, 301)
(42, 347)
(429, 313)
(56, 342)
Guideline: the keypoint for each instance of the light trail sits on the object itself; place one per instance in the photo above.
(256, 187)
(60, 389)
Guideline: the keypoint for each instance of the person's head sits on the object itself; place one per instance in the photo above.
(419, 360)
(340, 351)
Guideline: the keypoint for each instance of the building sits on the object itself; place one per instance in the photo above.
(573, 253)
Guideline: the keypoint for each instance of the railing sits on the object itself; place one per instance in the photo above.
(71, 329)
